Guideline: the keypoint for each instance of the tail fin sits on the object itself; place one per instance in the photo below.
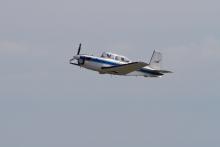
(156, 60)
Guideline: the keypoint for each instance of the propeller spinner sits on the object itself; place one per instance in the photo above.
(76, 57)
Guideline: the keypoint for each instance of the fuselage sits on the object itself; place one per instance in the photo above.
(96, 63)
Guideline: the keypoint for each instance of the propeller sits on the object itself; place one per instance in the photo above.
(75, 56)
(79, 49)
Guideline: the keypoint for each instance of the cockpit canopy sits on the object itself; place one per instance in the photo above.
(115, 57)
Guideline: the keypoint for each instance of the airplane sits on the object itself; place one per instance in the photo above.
(114, 64)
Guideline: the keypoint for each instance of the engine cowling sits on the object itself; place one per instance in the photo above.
(81, 61)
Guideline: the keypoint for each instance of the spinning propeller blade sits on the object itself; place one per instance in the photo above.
(76, 57)
(79, 49)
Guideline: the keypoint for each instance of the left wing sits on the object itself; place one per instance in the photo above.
(124, 68)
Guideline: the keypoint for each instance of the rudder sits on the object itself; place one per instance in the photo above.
(156, 60)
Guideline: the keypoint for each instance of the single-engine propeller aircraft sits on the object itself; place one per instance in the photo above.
(114, 64)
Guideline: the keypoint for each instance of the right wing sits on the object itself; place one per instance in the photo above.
(124, 68)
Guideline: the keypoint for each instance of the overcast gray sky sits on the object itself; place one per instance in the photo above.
(44, 101)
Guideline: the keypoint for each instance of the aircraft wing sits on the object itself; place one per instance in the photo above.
(124, 68)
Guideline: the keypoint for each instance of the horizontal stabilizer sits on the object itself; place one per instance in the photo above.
(163, 71)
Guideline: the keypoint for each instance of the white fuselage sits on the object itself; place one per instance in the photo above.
(96, 64)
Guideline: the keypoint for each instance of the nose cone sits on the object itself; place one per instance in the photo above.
(74, 59)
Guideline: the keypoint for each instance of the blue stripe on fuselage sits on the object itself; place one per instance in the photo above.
(98, 60)
(104, 61)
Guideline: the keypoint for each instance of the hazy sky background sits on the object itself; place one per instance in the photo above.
(45, 101)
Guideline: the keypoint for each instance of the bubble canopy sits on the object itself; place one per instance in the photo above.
(120, 58)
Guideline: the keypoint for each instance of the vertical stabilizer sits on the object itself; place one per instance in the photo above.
(156, 60)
